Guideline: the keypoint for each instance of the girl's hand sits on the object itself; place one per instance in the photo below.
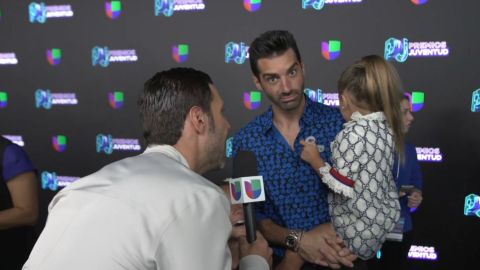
(311, 155)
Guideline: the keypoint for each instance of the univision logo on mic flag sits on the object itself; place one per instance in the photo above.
(247, 189)
(113, 9)
(54, 56)
(59, 143)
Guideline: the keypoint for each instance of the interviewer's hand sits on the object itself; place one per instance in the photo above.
(258, 247)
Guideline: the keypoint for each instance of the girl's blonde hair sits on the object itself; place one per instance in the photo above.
(375, 85)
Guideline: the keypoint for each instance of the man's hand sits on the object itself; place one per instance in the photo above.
(415, 199)
(322, 246)
(258, 247)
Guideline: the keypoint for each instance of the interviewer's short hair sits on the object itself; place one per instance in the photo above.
(167, 98)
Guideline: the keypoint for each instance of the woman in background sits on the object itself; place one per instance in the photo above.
(18, 205)
(408, 175)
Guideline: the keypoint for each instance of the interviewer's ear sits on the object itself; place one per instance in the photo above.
(198, 118)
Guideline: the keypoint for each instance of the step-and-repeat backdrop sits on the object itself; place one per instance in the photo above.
(71, 71)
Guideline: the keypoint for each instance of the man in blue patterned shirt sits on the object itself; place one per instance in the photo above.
(295, 214)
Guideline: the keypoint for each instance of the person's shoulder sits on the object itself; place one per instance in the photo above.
(15, 158)
(14, 149)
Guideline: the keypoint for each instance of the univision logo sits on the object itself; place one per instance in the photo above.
(419, 2)
(180, 53)
(236, 190)
(59, 143)
(253, 188)
(115, 99)
(3, 99)
(331, 49)
(416, 99)
(113, 9)
(252, 5)
(54, 56)
(252, 100)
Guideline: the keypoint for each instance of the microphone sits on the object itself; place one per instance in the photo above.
(246, 187)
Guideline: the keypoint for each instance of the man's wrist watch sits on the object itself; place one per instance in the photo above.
(293, 239)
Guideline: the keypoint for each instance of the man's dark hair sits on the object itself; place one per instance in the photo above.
(271, 43)
(167, 98)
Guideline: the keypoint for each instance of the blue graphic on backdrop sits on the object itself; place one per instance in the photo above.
(104, 143)
(396, 49)
(37, 12)
(472, 205)
(43, 99)
(164, 7)
(236, 52)
(315, 4)
(49, 180)
(476, 101)
(100, 56)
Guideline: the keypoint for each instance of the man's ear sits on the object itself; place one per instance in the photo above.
(198, 118)
(304, 71)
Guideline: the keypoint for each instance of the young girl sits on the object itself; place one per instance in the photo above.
(363, 203)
